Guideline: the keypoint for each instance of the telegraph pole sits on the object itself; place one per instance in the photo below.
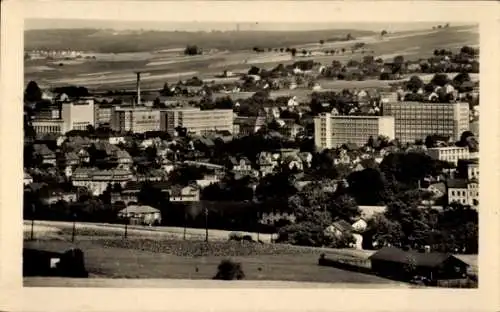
(32, 221)
(126, 222)
(74, 227)
(206, 224)
(185, 225)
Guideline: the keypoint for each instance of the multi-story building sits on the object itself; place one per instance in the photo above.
(332, 131)
(135, 119)
(46, 126)
(463, 192)
(78, 114)
(69, 115)
(197, 121)
(103, 114)
(96, 181)
(415, 120)
(450, 154)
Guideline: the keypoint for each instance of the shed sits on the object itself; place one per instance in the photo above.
(401, 264)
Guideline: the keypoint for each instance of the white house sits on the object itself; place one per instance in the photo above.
(360, 225)
(463, 192)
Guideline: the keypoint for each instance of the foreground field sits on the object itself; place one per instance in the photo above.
(288, 264)
(180, 283)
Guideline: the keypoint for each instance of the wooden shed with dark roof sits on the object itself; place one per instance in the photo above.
(401, 264)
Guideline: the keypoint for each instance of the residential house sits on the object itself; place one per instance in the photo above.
(293, 162)
(115, 140)
(468, 169)
(55, 196)
(367, 212)
(289, 128)
(84, 156)
(28, 179)
(437, 190)
(72, 159)
(152, 175)
(360, 225)
(167, 165)
(184, 194)
(207, 180)
(47, 156)
(267, 162)
(339, 228)
(123, 158)
(243, 165)
(141, 215)
(463, 192)
(306, 159)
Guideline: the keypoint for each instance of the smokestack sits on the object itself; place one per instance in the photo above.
(138, 87)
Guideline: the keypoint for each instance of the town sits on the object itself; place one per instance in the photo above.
(268, 159)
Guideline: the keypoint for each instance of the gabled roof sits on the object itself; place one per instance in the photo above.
(139, 209)
(71, 156)
(343, 226)
(422, 259)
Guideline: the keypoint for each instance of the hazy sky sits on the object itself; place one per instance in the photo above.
(224, 15)
(207, 26)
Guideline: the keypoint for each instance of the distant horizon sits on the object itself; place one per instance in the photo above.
(195, 26)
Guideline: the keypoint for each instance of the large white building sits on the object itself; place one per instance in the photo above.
(72, 115)
(78, 114)
(332, 131)
(197, 121)
(415, 120)
(449, 153)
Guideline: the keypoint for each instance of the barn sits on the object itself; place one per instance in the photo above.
(404, 265)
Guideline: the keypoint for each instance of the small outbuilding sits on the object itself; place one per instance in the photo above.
(404, 265)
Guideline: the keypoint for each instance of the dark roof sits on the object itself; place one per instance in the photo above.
(343, 226)
(422, 259)
(457, 183)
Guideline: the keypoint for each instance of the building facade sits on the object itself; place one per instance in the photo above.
(332, 131)
(463, 192)
(48, 126)
(449, 153)
(103, 114)
(78, 114)
(197, 121)
(96, 181)
(415, 120)
(135, 119)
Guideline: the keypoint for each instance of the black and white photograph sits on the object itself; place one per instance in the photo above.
(160, 152)
(301, 153)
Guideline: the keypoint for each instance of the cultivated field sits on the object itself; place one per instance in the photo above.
(115, 70)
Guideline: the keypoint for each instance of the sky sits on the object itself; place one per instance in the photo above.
(224, 15)
(221, 26)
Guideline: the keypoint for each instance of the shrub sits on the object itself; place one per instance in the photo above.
(247, 238)
(229, 270)
(72, 264)
(236, 236)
